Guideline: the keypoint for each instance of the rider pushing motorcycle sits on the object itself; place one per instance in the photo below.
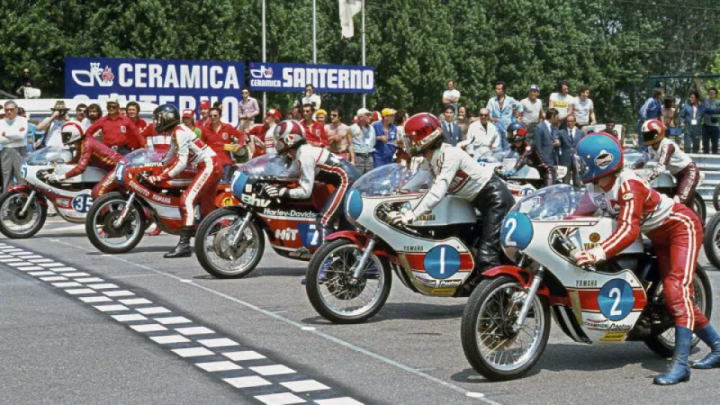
(186, 147)
(457, 173)
(315, 163)
(530, 155)
(676, 234)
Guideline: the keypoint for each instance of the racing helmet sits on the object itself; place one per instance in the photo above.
(600, 155)
(422, 130)
(652, 131)
(72, 132)
(288, 134)
(166, 117)
(516, 132)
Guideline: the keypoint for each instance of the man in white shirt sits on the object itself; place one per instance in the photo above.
(482, 136)
(451, 97)
(52, 126)
(584, 109)
(532, 112)
(311, 97)
(562, 101)
(13, 138)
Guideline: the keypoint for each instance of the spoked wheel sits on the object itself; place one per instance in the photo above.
(711, 240)
(103, 230)
(215, 250)
(18, 225)
(664, 343)
(331, 289)
(491, 344)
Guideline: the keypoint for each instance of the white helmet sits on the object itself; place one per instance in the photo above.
(288, 134)
(72, 132)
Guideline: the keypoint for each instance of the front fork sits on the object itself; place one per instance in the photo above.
(362, 264)
(529, 297)
(241, 229)
(126, 209)
(29, 201)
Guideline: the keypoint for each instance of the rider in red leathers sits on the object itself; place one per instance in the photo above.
(676, 234)
(186, 147)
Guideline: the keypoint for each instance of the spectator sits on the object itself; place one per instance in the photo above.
(52, 126)
(314, 131)
(463, 121)
(690, 117)
(81, 115)
(118, 132)
(31, 132)
(24, 80)
(584, 109)
(219, 106)
(452, 132)
(375, 117)
(13, 138)
(248, 110)
(403, 151)
(710, 130)
(219, 137)
(297, 113)
(321, 116)
(363, 140)
(451, 97)
(652, 109)
(569, 138)
(262, 135)
(482, 137)
(610, 127)
(546, 140)
(562, 101)
(289, 115)
(94, 112)
(204, 114)
(339, 138)
(669, 112)
(133, 112)
(503, 111)
(386, 138)
(532, 112)
(311, 97)
(123, 112)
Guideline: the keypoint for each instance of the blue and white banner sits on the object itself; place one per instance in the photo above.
(325, 78)
(183, 83)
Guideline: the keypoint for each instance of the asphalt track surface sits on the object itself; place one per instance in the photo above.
(81, 327)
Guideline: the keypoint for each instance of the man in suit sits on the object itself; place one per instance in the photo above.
(569, 139)
(452, 132)
(546, 140)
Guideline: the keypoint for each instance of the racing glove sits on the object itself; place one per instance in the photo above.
(274, 192)
(406, 218)
(588, 257)
(154, 180)
(55, 178)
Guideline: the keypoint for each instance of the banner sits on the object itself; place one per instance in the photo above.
(183, 83)
(325, 78)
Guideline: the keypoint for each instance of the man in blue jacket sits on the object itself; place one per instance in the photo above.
(569, 139)
(386, 138)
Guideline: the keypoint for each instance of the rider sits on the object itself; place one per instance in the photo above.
(186, 147)
(91, 151)
(457, 173)
(675, 231)
(531, 155)
(669, 156)
(315, 163)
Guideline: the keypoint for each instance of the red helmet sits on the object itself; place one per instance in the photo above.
(288, 134)
(652, 132)
(274, 112)
(422, 130)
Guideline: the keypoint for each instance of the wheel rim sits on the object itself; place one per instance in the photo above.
(499, 346)
(336, 291)
(667, 338)
(111, 236)
(11, 218)
(716, 240)
(222, 257)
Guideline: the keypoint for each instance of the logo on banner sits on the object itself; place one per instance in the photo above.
(96, 74)
(262, 72)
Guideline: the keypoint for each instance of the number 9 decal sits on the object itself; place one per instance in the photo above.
(517, 231)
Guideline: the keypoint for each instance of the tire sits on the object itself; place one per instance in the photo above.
(15, 200)
(711, 240)
(471, 323)
(91, 224)
(314, 285)
(699, 207)
(659, 343)
(203, 246)
(716, 198)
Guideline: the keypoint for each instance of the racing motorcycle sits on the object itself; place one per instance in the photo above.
(117, 221)
(230, 241)
(349, 278)
(23, 208)
(525, 182)
(506, 323)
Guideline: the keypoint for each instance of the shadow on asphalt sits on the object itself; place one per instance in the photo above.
(408, 311)
(264, 272)
(63, 235)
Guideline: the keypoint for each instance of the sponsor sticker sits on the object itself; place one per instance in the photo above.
(614, 337)
(628, 196)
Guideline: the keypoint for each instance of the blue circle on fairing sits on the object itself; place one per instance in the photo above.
(616, 299)
(238, 182)
(442, 262)
(354, 204)
(517, 231)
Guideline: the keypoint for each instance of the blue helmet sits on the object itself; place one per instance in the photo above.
(600, 155)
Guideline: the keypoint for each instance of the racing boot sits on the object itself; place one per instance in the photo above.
(183, 247)
(712, 339)
(679, 370)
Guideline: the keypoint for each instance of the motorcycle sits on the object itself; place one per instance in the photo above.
(349, 278)
(23, 208)
(117, 221)
(525, 182)
(506, 323)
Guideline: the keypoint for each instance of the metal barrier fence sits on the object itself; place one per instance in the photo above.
(710, 166)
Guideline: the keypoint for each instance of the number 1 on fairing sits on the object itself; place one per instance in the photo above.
(316, 234)
(512, 224)
(442, 260)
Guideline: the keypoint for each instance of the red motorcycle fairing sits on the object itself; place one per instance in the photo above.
(27, 189)
(523, 276)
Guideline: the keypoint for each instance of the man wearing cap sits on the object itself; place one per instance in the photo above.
(314, 131)
(532, 112)
(219, 137)
(386, 135)
(262, 135)
(247, 110)
(119, 132)
(363, 141)
(321, 116)
(52, 126)
(13, 133)
(204, 114)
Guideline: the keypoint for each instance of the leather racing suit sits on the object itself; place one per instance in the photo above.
(669, 157)
(155, 141)
(530, 155)
(96, 153)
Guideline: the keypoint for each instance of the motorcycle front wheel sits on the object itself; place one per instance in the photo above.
(101, 228)
(711, 240)
(330, 290)
(699, 207)
(15, 225)
(491, 345)
(213, 244)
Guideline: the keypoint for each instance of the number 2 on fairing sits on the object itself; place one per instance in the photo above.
(617, 294)
(510, 225)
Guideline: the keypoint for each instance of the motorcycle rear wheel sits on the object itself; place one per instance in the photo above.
(328, 283)
(11, 204)
(99, 229)
(205, 246)
(487, 326)
(711, 240)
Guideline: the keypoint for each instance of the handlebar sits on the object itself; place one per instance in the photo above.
(570, 246)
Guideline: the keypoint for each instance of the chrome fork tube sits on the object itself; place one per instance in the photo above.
(241, 229)
(128, 206)
(360, 266)
(537, 279)
(29, 201)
